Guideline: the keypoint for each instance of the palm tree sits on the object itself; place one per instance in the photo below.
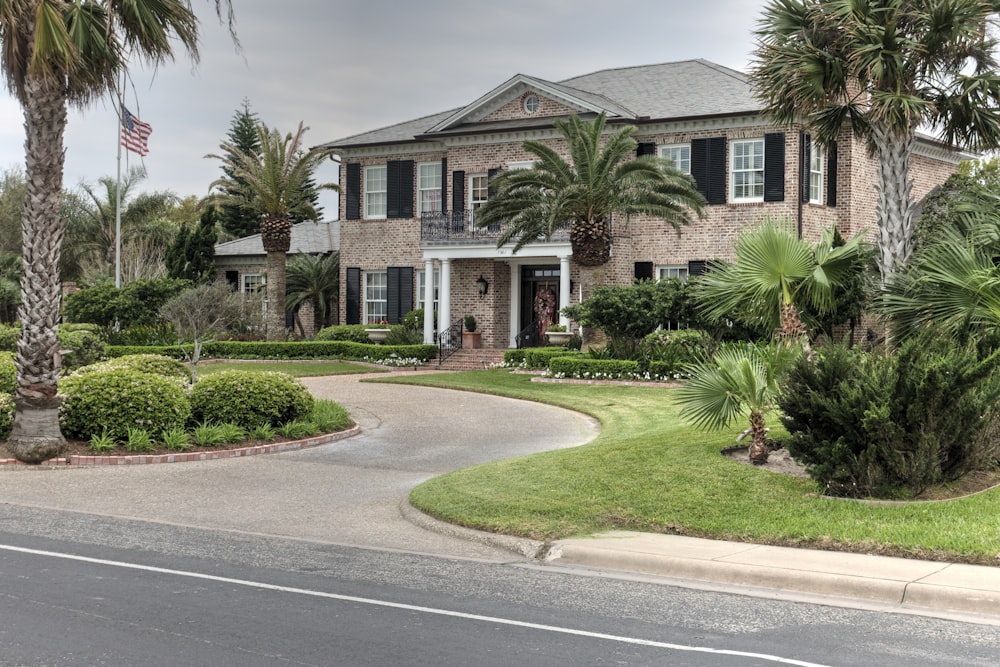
(274, 182)
(883, 69)
(584, 192)
(54, 54)
(740, 380)
(313, 279)
(775, 273)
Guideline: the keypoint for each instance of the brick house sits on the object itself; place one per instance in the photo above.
(409, 192)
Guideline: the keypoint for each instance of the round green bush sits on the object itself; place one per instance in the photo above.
(119, 398)
(250, 398)
(8, 337)
(157, 364)
(81, 346)
(8, 373)
(352, 332)
(6, 415)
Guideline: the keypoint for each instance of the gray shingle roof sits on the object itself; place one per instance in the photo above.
(683, 89)
(308, 237)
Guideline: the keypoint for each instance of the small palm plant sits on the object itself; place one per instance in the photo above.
(739, 381)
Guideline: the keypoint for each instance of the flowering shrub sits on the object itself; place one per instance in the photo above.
(8, 373)
(144, 363)
(250, 398)
(121, 398)
(395, 361)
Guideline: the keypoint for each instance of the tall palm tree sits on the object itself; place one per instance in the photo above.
(313, 279)
(585, 191)
(883, 69)
(740, 380)
(775, 273)
(55, 53)
(274, 182)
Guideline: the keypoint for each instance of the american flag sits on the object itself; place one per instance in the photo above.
(135, 133)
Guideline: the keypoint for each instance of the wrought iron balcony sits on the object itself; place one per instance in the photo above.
(459, 228)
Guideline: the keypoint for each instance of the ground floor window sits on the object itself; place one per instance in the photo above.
(421, 285)
(376, 296)
(253, 282)
(680, 272)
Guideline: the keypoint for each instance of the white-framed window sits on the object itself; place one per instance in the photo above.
(679, 156)
(479, 192)
(679, 271)
(376, 191)
(523, 164)
(376, 296)
(421, 284)
(531, 103)
(747, 170)
(429, 187)
(253, 282)
(816, 174)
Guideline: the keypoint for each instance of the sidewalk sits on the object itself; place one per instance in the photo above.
(910, 584)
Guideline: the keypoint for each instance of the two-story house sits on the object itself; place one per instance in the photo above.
(409, 192)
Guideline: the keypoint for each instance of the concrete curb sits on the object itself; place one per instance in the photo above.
(531, 549)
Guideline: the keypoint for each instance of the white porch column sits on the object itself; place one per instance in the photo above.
(429, 301)
(563, 288)
(515, 302)
(444, 310)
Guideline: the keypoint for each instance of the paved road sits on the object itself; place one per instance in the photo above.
(348, 492)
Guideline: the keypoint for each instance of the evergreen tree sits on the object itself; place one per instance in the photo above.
(237, 220)
(192, 255)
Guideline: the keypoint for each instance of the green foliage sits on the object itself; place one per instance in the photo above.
(872, 425)
(81, 346)
(143, 334)
(8, 337)
(333, 349)
(143, 363)
(250, 398)
(192, 254)
(175, 439)
(135, 304)
(238, 220)
(232, 432)
(538, 357)
(298, 429)
(313, 279)
(6, 415)
(675, 349)
(329, 416)
(470, 323)
(263, 432)
(401, 335)
(207, 434)
(414, 320)
(593, 369)
(8, 373)
(120, 398)
(138, 440)
(103, 441)
(350, 332)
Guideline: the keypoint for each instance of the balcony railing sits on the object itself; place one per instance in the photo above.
(459, 228)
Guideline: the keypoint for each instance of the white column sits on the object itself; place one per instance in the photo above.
(429, 301)
(515, 302)
(444, 309)
(563, 288)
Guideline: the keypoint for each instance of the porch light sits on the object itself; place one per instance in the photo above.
(484, 286)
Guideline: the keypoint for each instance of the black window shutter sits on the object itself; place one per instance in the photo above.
(353, 191)
(490, 192)
(399, 292)
(458, 191)
(708, 167)
(831, 175)
(805, 166)
(697, 267)
(399, 186)
(645, 149)
(353, 296)
(643, 270)
(444, 185)
(774, 167)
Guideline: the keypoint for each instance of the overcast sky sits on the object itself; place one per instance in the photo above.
(348, 66)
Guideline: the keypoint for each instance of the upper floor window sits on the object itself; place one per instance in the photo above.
(747, 170)
(429, 187)
(375, 192)
(376, 296)
(479, 191)
(679, 155)
(816, 174)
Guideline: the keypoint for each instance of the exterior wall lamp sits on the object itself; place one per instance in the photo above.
(484, 286)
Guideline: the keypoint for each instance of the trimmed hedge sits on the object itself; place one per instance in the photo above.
(8, 373)
(144, 363)
(229, 349)
(594, 369)
(6, 415)
(250, 398)
(120, 398)
(350, 332)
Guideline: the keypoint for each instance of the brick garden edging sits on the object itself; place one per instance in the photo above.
(181, 457)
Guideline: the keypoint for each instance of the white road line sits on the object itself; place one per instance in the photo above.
(408, 607)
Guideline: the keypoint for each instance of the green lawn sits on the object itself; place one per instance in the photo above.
(648, 471)
(296, 368)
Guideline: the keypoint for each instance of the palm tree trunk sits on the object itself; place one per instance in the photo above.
(276, 296)
(592, 277)
(895, 207)
(758, 439)
(36, 436)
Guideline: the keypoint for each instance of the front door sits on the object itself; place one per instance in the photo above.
(539, 303)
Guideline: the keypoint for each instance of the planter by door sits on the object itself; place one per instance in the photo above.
(558, 337)
(472, 340)
(377, 335)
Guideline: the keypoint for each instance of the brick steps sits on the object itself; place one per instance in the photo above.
(472, 359)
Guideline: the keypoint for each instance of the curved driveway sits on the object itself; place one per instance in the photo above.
(348, 492)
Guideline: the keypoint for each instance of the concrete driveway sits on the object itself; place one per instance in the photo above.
(348, 492)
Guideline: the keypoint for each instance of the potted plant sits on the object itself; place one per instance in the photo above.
(557, 334)
(470, 337)
(377, 331)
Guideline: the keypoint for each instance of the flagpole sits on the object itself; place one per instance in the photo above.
(118, 200)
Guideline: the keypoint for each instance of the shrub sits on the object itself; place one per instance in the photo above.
(871, 425)
(134, 304)
(584, 367)
(538, 357)
(250, 398)
(352, 332)
(157, 364)
(672, 350)
(120, 398)
(6, 415)
(82, 345)
(8, 373)
(144, 334)
(8, 337)
(329, 416)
